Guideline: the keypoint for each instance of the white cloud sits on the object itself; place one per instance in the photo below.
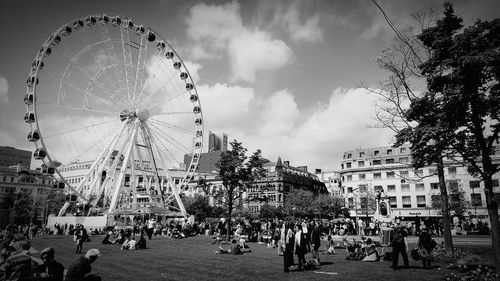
(219, 28)
(4, 89)
(307, 30)
(278, 115)
(193, 69)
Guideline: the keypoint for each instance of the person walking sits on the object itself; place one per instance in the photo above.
(424, 245)
(316, 240)
(399, 245)
(300, 246)
(289, 241)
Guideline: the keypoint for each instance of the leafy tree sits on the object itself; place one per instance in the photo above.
(461, 110)
(23, 206)
(298, 203)
(237, 173)
(367, 202)
(198, 206)
(55, 200)
(456, 201)
(327, 206)
(268, 211)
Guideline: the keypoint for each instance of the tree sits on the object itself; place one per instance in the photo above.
(23, 206)
(402, 61)
(198, 206)
(237, 173)
(327, 206)
(298, 203)
(268, 211)
(55, 200)
(456, 200)
(461, 109)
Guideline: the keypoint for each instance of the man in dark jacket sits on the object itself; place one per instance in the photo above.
(399, 246)
(80, 269)
(300, 246)
(424, 244)
(50, 269)
(316, 240)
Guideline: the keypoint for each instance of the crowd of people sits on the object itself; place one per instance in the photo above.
(18, 263)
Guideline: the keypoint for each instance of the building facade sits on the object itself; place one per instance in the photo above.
(409, 192)
(10, 156)
(217, 141)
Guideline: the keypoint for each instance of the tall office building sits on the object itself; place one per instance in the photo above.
(217, 141)
(10, 156)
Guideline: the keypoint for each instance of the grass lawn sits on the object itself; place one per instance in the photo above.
(195, 259)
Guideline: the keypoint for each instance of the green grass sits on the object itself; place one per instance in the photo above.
(195, 259)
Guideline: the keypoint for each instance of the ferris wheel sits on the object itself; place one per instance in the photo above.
(112, 94)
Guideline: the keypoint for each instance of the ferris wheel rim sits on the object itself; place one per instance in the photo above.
(35, 126)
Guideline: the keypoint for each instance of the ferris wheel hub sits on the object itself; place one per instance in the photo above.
(142, 114)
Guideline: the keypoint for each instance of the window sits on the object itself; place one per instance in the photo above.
(393, 201)
(419, 173)
(362, 177)
(361, 163)
(348, 165)
(421, 201)
(389, 161)
(403, 159)
(342, 166)
(403, 174)
(391, 188)
(497, 197)
(419, 187)
(349, 177)
(362, 154)
(378, 188)
(494, 183)
(349, 190)
(376, 162)
(434, 185)
(12, 179)
(350, 202)
(390, 175)
(402, 150)
(4, 178)
(474, 184)
(362, 188)
(376, 152)
(452, 170)
(405, 187)
(349, 155)
(432, 171)
(377, 176)
(476, 200)
(389, 151)
(406, 201)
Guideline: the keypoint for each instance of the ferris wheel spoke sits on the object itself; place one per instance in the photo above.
(163, 151)
(170, 139)
(166, 99)
(78, 108)
(170, 126)
(93, 144)
(127, 60)
(80, 128)
(141, 64)
(174, 113)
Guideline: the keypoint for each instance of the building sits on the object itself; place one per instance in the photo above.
(10, 156)
(20, 179)
(207, 162)
(217, 141)
(409, 192)
(281, 178)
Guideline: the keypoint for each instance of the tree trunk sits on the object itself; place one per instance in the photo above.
(448, 242)
(494, 221)
(229, 212)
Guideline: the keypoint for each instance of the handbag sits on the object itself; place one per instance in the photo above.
(415, 255)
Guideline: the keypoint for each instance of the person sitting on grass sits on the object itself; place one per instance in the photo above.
(141, 244)
(50, 269)
(330, 246)
(80, 270)
(129, 244)
(371, 253)
(121, 238)
(238, 248)
(106, 238)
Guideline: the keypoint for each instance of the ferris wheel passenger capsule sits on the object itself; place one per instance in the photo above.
(193, 98)
(32, 80)
(140, 29)
(90, 20)
(161, 45)
(177, 64)
(189, 86)
(199, 133)
(198, 121)
(46, 52)
(29, 117)
(56, 40)
(78, 24)
(151, 36)
(40, 153)
(103, 19)
(130, 24)
(196, 109)
(184, 75)
(116, 21)
(37, 64)
(33, 136)
(169, 55)
(29, 98)
(66, 30)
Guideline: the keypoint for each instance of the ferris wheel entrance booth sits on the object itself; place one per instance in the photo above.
(111, 92)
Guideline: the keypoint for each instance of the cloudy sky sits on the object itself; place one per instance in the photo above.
(282, 76)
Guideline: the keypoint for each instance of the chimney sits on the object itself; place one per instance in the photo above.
(317, 171)
(286, 163)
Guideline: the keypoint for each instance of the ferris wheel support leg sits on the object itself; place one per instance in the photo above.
(119, 183)
(62, 211)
